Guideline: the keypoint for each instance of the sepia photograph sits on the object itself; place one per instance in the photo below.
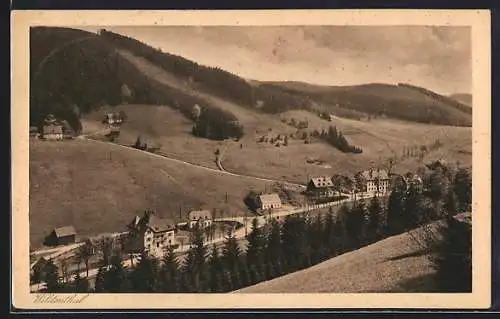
(286, 156)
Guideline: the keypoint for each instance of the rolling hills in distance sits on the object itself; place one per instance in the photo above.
(92, 71)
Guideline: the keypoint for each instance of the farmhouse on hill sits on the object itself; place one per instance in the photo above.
(53, 132)
(269, 201)
(62, 236)
(202, 218)
(320, 187)
(151, 233)
(373, 181)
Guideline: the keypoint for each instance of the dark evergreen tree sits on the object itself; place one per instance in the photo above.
(273, 250)
(81, 285)
(216, 271)
(143, 277)
(294, 241)
(450, 204)
(355, 224)
(395, 213)
(231, 254)
(452, 257)
(169, 271)
(256, 245)
(114, 277)
(375, 220)
(413, 208)
(52, 277)
(99, 280)
(195, 262)
(462, 185)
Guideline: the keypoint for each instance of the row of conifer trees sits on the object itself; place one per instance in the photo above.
(276, 249)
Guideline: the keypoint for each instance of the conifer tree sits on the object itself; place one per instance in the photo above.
(143, 277)
(169, 271)
(195, 261)
(256, 245)
(355, 223)
(216, 271)
(99, 280)
(273, 250)
(450, 204)
(375, 219)
(413, 208)
(52, 277)
(114, 277)
(452, 257)
(395, 214)
(462, 186)
(81, 285)
(231, 254)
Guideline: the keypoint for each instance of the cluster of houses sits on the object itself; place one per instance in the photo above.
(370, 182)
(52, 130)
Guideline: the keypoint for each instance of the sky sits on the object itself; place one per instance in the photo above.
(437, 58)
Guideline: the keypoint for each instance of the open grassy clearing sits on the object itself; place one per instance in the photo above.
(99, 187)
(379, 139)
(394, 264)
(163, 125)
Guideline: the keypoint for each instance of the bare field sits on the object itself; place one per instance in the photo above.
(100, 187)
(394, 264)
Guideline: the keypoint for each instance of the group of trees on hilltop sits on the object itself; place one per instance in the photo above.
(217, 125)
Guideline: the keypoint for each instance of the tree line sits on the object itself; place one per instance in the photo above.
(336, 139)
(300, 241)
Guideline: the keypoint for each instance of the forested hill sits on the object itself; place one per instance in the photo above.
(74, 72)
(402, 101)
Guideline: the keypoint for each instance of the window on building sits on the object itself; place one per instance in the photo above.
(157, 244)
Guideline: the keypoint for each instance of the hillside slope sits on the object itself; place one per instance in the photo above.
(462, 98)
(402, 101)
(394, 264)
(89, 74)
(100, 187)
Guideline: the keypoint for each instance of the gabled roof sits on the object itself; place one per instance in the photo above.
(160, 224)
(52, 129)
(200, 214)
(269, 198)
(322, 181)
(374, 174)
(65, 231)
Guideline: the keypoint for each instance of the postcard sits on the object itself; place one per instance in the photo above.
(251, 159)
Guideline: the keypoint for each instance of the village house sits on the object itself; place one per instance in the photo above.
(269, 201)
(320, 187)
(113, 119)
(152, 234)
(62, 236)
(202, 218)
(53, 132)
(373, 181)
